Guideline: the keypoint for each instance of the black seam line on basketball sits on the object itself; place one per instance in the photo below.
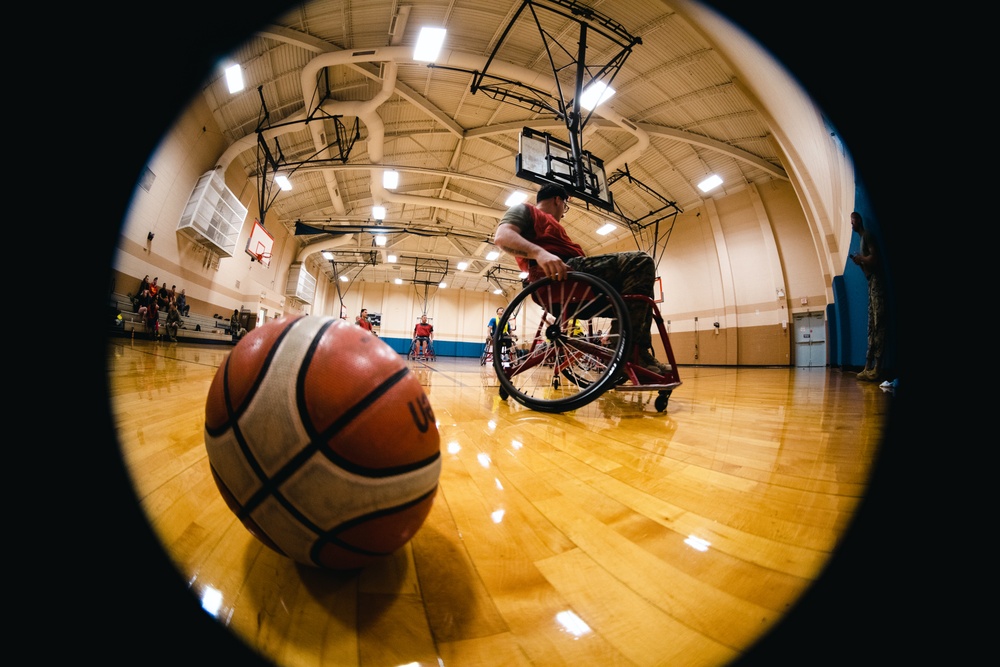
(232, 417)
(271, 486)
(234, 423)
(319, 440)
(241, 441)
(330, 536)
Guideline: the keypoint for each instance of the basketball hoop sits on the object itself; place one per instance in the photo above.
(263, 257)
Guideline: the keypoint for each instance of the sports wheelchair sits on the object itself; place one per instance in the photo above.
(583, 345)
(414, 353)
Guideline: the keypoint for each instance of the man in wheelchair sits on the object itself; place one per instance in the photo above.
(423, 332)
(506, 336)
(541, 246)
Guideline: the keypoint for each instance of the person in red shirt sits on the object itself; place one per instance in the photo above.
(424, 333)
(534, 235)
(363, 321)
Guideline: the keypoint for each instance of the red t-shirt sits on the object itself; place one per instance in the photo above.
(423, 330)
(543, 230)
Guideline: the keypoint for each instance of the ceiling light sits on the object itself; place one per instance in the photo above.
(498, 291)
(327, 254)
(523, 275)
(492, 255)
(429, 44)
(282, 181)
(390, 179)
(343, 279)
(234, 78)
(710, 183)
(378, 212)
(606, 229)
(391, 258)
(442, 285)
(380, 240)
(462, 266)
(516, 198)
(595, 94)
(398, 281)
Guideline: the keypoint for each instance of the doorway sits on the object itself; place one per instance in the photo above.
(810, 339)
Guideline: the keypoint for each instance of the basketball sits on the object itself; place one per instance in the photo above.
(322, 442)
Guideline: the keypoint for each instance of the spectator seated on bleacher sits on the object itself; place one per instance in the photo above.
(173, 321)
(152, 319)
(182, 305)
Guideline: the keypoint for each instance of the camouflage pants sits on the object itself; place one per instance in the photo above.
(876, 322)
(629, 273)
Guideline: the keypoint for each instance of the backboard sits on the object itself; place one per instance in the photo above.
(260, 244)
(545, 159)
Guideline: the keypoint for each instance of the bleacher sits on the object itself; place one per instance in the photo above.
(213, 330)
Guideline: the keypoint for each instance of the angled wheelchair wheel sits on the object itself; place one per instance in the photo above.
(572, 347)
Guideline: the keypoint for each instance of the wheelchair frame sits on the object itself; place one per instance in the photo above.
(559, 371)
(413, 356)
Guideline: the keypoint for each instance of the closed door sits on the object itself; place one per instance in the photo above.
(810, 339)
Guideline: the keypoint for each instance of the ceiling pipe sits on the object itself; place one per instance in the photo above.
(313, 248)
(366, 112)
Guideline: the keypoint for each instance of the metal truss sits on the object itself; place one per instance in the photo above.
(564, 105)
(646, 230)
(275, 160)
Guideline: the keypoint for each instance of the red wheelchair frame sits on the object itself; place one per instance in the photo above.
(591, 367)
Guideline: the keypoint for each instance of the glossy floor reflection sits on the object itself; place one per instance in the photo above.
(610, 535)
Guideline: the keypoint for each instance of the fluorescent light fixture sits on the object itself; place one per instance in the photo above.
(595, 94)
(523, 275)
(380, 240)
(516, 198)
(234, 78)
(343, 279)
(378, 212)
(462, 266)
(606, 229)
(710, 183)
(498, 291)
(282, 181)
(442, 285)
(492, 255)
(429, 44)
(327, 254)
(391, 258)
(390, 179)
(398, 281)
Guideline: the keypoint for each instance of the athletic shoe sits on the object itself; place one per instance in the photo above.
(649, 362)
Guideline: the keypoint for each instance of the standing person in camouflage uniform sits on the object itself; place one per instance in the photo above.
(867, 258)
(541, 246)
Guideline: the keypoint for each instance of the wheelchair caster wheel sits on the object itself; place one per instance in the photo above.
(661, 401)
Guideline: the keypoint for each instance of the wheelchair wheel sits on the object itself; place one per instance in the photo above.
(558, 369)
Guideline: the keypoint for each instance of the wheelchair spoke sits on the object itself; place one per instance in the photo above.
(577, 348)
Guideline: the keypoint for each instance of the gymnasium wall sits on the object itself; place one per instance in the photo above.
(746, 260)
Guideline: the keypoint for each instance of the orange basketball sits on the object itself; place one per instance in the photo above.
(322, 442)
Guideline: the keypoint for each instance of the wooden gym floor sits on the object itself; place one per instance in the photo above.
(611, 535)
